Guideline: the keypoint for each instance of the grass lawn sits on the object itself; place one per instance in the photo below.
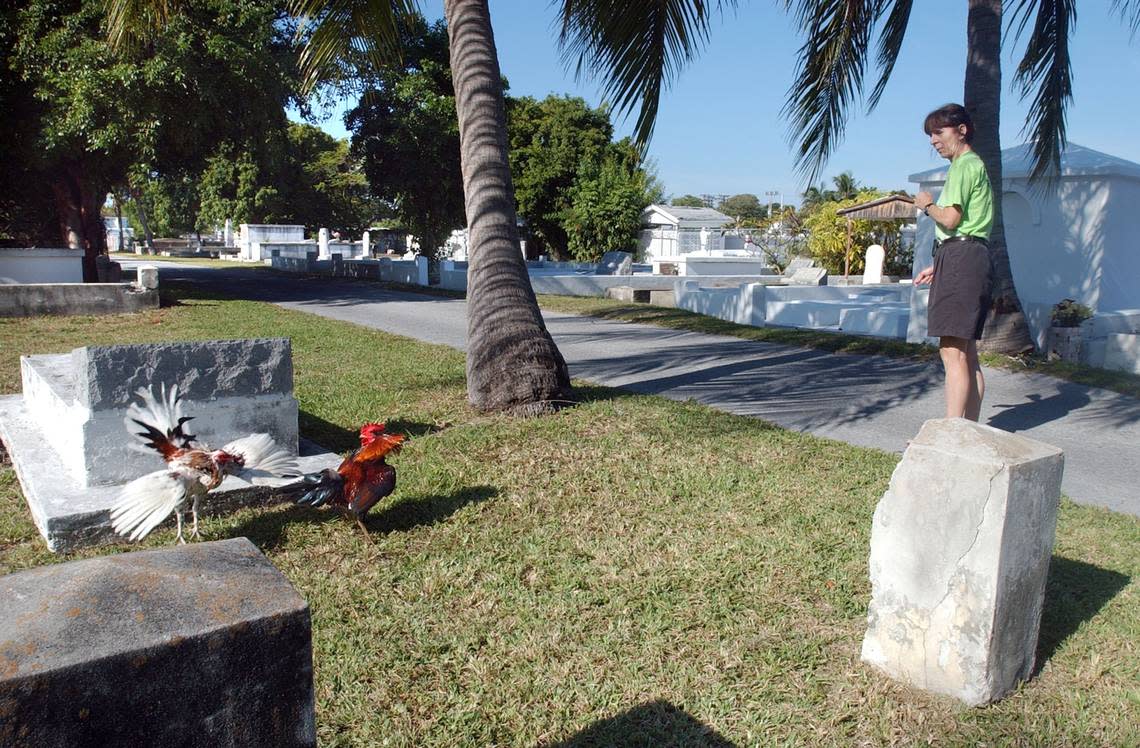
(631, 571)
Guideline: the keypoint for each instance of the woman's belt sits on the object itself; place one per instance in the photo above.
(962, 238)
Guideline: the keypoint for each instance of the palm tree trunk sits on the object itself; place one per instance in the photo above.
(512, 362)
(1006, 330)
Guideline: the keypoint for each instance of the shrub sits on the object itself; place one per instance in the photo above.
(1069, 313)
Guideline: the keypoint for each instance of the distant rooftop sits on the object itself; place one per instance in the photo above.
(681, 214)
(1076, 160)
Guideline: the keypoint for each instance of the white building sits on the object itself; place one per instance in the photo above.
(1079, 241)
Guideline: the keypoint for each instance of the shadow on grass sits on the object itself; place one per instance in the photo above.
(657, 723)
(324, 434)
(1074, 593)
(413, 511)
(268, 530)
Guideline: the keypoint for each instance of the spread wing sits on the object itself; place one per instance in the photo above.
(262, 458)
(145, 502)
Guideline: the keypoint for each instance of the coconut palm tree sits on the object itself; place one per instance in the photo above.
(603, 37)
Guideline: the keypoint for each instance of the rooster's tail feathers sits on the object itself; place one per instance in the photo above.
(161, 419)
(262, 458)
(145, 502)
(322, 487)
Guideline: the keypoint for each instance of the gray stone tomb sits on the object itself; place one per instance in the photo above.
(72, 451)
(205, 644)
(960, 549)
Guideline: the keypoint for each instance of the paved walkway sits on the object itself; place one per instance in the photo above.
(872, 401)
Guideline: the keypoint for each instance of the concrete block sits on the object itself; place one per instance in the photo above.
(200, 645)
(960, 549)
(148, 277)
(1122, 352)
(231, 387)
(809, 277)
(36, 299)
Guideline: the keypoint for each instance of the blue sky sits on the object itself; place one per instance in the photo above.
(719, 130)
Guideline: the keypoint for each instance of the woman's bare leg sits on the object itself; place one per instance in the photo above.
(978, 390)
(960, 382)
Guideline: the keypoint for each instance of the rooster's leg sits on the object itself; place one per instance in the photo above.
(178, 519)
(363, 528)
(194, 513)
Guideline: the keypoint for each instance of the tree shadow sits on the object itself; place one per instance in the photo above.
(1074, 593)
(655, 724)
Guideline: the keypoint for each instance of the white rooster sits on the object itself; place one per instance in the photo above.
(192, 469)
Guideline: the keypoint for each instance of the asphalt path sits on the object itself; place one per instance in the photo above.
(870, 401)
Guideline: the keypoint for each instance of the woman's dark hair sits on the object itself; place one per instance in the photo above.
(950, 115)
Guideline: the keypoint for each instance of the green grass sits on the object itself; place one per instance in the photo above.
(679, 319)
(631, 571)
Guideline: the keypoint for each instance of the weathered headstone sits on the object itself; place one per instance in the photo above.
(228, 233)
(960, 549)
(798, 263)
(205, 644)
(809, 277)
(873, 264)
(148, 277)
(615, 263)
(323, 244)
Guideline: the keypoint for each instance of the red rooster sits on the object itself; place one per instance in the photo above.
(362, 479)
(192, 469)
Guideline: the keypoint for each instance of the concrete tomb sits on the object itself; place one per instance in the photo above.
(71, 448)
(960, 549)
(205, 644)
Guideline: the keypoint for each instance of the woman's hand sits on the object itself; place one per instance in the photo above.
(924, 277)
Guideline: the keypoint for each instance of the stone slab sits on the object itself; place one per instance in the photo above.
(61, 299)
(615, 263)
(810, 276)
(205, 644)
(960, 549)
(71, 516)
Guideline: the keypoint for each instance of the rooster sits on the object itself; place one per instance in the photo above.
(362, 479)
(192, 469)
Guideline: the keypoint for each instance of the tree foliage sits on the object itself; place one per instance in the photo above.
(827, 236)
(687, 201)
(606, 202)
(745, 209)
(218, 71)
(551, 142)
(406, 134)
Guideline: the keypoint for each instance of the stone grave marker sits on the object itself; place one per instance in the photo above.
(960, 549)
(204, 644)
(615, 263)
(873, 264)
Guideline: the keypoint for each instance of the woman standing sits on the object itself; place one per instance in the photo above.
(960, 276)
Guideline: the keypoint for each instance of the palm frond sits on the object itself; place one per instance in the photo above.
(829, 75)
(1129, 12)
(1046, 69)
(636, 48)
(890, 42)
(334, 28)
(133, 22)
